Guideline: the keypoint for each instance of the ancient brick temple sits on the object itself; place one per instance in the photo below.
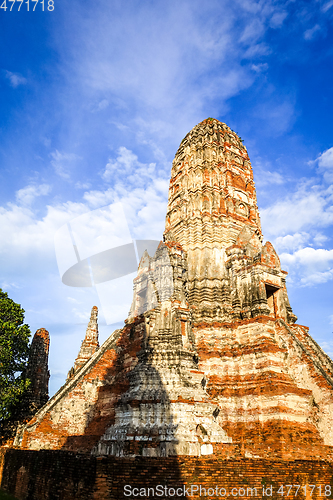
(210, 360)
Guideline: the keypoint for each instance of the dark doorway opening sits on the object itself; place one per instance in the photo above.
(271, 298)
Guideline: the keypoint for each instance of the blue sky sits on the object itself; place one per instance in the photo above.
(95, 98)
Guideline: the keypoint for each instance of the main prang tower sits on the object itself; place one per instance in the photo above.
(212, 212)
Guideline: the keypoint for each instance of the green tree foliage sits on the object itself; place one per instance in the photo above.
(14, 350)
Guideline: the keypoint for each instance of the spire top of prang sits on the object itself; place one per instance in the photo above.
(211, 186)
(210, 126)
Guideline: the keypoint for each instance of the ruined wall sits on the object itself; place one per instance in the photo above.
(48, 475)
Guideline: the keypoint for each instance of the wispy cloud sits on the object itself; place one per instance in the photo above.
(291, 241)
(260, 67)
(310, 33)
(103, 104)
(325, 164)
(171, 65)
(277, 19)
(15, 79)
(296, 224)
(327, 6)
(126, 167)
(317, 278)
(28, 194)
(310, 206)
(5, 285)
(264, 176)
(313, 266)
(82, 185)
(62, 163)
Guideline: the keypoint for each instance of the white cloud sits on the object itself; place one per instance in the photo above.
(15, 79)
(62, 163)
(319, 239)
(313, 266)
(145, 208)
(27, 195)
(310, 33)
(103, 104)
(308, 207)
(72, 300)
(27, 241)
(317, 278)
(171, 65)
(97, 198)
(126, 166)
(291, 241)
(265, 177)
(82, 316)
(325, 164)
(313, 258)
(327, 6)
(82, 185)
(253, 31)
(257, 50)
(277, 19)
(260, 67)
(297, 226)
(5, 285)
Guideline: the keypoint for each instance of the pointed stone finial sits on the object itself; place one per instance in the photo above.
(90, 343)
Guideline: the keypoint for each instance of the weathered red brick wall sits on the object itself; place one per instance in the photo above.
(53, 474)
